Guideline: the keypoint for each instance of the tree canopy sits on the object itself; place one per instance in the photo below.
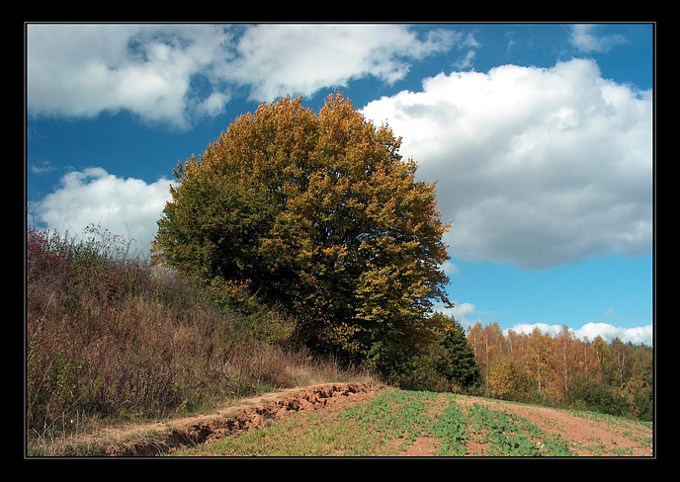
(318, 214)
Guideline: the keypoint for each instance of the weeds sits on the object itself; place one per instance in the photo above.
(395, 415)
(111, 338)
(504, 432)
(301, 434)
(387, 424)
(451, 429)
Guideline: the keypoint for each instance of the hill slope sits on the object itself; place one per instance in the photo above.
(387, 422)
(109, 337)
(368, 419)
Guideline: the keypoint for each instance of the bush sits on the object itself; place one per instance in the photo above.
(639, 396)
(587, 394)
(267, 323)
(426, 371)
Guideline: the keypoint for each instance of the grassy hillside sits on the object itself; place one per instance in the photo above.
(109, 338)
(403, 423)
(111, 341)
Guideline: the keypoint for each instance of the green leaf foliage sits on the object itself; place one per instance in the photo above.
(447, 363)
(593, 395)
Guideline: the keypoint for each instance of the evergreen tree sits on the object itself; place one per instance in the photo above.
(463, 369)
(445, 364)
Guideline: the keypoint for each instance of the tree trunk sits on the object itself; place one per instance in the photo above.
(565, 371)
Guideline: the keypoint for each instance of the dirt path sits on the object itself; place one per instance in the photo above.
(161, 437)
(586, 436)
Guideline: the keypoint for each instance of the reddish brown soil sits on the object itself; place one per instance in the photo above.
(585, 436)
(476, 446)
(422, 446)
(427, 446)
(157, 438)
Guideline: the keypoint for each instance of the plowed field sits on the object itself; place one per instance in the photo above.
(388, 422)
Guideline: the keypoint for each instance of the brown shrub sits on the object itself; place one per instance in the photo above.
(108, 336)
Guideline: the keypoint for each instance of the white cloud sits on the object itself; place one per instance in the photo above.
(128, 207)
(585, 40)
(466, 62)
(171, 73)
(42, 168)
(636, 335)
(528, 328)
(214, 104)
(537, 166)
(276, 60)
(460, 312)
(83, 70)
(449, 268)
(469, 40)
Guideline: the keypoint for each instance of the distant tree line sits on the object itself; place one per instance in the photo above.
(564, 371)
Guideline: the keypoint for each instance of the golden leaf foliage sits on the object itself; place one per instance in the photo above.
(319, 214)
(507, 380)
(565, 371)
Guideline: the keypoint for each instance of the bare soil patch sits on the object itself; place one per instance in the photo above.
(422, 446)
(586, 436)
(437, 407)
(161, 437)
(476, 446)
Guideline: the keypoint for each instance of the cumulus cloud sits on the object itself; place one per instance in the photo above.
(536, 166)
(277, 60)
(528, 328)
(636, 335)
(83, 70)
(174, 73)
(583, 37)
(128, 207)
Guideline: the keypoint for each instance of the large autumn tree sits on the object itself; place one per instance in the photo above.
(320, 215)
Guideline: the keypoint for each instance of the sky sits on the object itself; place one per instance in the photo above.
(540, 138)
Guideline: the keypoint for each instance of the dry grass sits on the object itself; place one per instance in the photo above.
(110, 338)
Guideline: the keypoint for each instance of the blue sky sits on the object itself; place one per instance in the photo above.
(539, 135)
